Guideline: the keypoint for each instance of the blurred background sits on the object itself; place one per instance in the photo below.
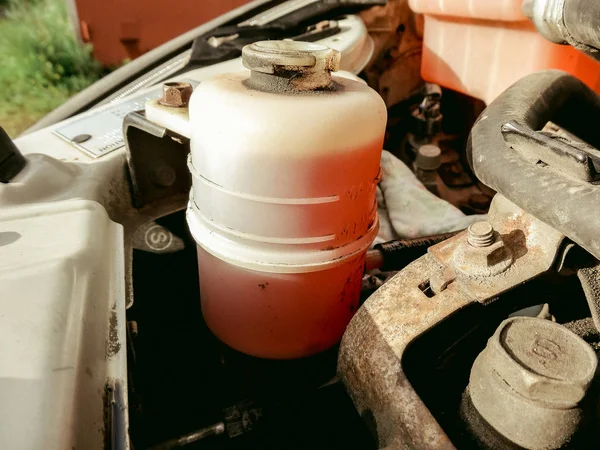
(52, 49)
(42, 63)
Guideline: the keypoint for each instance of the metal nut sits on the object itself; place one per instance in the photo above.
(176, 94)
(483, 255)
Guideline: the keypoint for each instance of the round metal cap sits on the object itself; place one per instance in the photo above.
(268, 56)
(528, 382)
(429, 157)
(310, 63)
(541, 360)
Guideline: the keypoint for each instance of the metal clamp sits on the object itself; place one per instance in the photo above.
(573, 158)
(157, 161)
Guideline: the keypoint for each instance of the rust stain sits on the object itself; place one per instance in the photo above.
(371, 352)
(112, 343)
(370, 362)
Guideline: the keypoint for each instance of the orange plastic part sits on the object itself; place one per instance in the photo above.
(279, 315)
(481, 47)
(121, 29)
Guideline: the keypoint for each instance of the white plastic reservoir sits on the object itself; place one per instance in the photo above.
(285, 162)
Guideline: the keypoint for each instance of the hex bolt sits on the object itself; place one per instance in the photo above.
(480, 234)
(163, 176)
(176, 94)
(530, 382)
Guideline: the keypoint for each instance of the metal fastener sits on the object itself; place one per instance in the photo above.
(529, 382)
(481, 234)
(176, 94)
(429, 157)
(483, 253)
(163, 176)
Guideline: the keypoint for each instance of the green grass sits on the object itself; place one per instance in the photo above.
(41, 62)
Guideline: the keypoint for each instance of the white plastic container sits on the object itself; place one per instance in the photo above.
(285, 162)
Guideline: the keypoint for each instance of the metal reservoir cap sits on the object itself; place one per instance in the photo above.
(529, 380)
(307, 65)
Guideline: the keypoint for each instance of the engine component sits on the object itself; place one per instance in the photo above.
(432, 145)
(573, 22)
(490, 31)
(426, 120)
(285, 162)
(288, 19)
(63, 318)
(429, 159)
(420, 297)
(550, 178)
(176, 94)
(529, 384)
(395, 255)
(485, 253)
(11, 159)
(156, 158)
(561, 195)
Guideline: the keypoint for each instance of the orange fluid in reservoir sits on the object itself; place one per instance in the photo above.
(481, 47)
(278, 315)
(293, 315)
(283, 210)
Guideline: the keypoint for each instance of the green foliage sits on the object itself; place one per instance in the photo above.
(41, 62)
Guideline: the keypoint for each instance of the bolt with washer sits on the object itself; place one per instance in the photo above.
(484, 253)
(176, 94)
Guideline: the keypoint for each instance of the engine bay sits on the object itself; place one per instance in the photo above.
(246, 252)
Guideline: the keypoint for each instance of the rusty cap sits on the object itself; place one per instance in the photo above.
(541, 360)
(311, 63)
(529, 381)
(176, 94)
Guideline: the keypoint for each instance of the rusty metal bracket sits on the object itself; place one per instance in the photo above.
(371, 354)
(533, 244)
(157, 160)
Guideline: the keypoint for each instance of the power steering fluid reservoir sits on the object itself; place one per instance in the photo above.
(285, 162)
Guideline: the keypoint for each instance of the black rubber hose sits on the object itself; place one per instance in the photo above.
(582, 21)
(12, 160)
(396, 255)
(569, 205)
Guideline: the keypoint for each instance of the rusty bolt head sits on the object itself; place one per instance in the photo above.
(176, 94)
